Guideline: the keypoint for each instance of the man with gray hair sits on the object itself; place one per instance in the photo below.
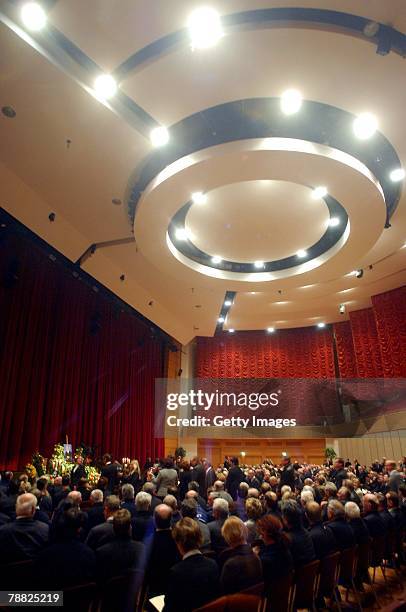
(376, 526)
(149, 487)
(220, 515)
(127, 498)
(337, 524)
(95, 514)
(104, 533)
(23, 538)
(357, 524)
(142, 523)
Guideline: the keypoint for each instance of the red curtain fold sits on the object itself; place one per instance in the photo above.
(292, 353)
(71, 363)
(390, 316)
(366, 344)
(345, 350)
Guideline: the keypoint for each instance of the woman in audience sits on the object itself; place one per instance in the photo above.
(253, 508)
(241, 568)
(275, 555)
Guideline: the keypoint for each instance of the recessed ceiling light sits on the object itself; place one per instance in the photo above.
(33, 16)
(159, 136)
(365, 126)
(181, 233)
(216, 259)
(301, 253)
(227, 303)
(205, 28)
(321, 325)
(258, 264)
(397, 175)
(253, 292)
(270, 330)
(231, 331)
(319, 192)
(198, 197)
(334, 221)
(291, 101)
(221, 320)
(105, 86)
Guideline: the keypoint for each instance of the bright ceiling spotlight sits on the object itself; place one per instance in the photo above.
(334, 221)
(221, 320)
(33, 16)
(365, 126)
(258, 264)
(397, 175)
(359, 273)
(205, 28)
(321, 325)
(231, 331)
(227, 303)
(291, 101)
(270, 330)
(159, 136)
(105, 86)
(181, 234)
(198, 197)
(216, 259)
(301, 253)
(319, 192)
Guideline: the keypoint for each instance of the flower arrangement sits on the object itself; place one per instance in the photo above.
(31, 472)
(61, 464)
(39, 463)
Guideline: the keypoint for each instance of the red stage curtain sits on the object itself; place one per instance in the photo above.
(366, 343)
(390, 315)
(291, 353)
(345, 350)
(71, 362)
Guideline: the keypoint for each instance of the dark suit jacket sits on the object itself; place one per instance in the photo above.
(359, 530)
(241, 569)
(22, 539)
(288, 476)
(218, 543)
(210, 479)
(234, 477)
(191, 584)
(199, 475)
(130, 506)
(65, 563)
(323, 540)
(110, 472)
(95, 516)
(276, 561)
(118, 555)
(100, 535)
(375, 524)
(342, 532)
(78, 472)
(338, 477)
(4, 519)
(163, 555)
(142, 525)
(301, 546)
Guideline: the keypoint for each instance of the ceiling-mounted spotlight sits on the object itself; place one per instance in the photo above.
(159, 136)
(321, 325)
(227, 303)
(398, 174)
(231, 331)
(258, 264)
(33, 16)
(270, 330)
(105, 86)
(371, 29)
(342, 309)
(198, 197)
(205, 28)
(291, 101)
(181, 233)
(301, 253)
(365, 126)
(359, 273)
(319, 192)
(220, 320)
(216, 259)
(334, 221)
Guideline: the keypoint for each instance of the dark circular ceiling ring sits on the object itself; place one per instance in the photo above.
(330, 238)
(262, 118)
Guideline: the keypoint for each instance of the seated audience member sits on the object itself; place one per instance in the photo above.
(344, 495)
(67, 561)
(4, 519)
(220, 515)
(194, 581)
(189, 509)
(172, 502)
(149, 487)
(241, 567)
(330, 492)
(393, 503)
(239, 504)
(5, 481)
(357, 524)
(351, 486)
(323, 539)
(194, 486)
(275, 555)
(104, 533)
(218, 487)
(142, 523)
(163, 553)
(40, 515)
(342, 532)
(271, 504)
(8, 501)
(202, 514)
(252, 481)
(373, 521)
(127, 499)
(61, 492)
(85, 489)
(44, 499)
(24, 537)
(301, 544)
(95, 512)
(253, 508)
(121, 553)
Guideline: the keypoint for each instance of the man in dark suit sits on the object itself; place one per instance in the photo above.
(195, 580)
(164, 552)
(374, 522)
(142, 523)
(357, 524)
(395, 478)
(220, 515)
(95, 513)
(199, 475)
(110, 471)
(234, 477)
(150, 488)
(323, 539)
(60, 492)
(287, 474)
(210, 478)
(78, 472)
(127, 498)
(121, 553)
(24, 537)
(301, 544)
(341, 530)
(339, 473)
(104, 533)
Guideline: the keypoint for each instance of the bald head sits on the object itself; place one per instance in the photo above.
(26, 505)
(163, 516)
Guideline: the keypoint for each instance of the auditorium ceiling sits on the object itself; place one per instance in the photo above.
(228, 208)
